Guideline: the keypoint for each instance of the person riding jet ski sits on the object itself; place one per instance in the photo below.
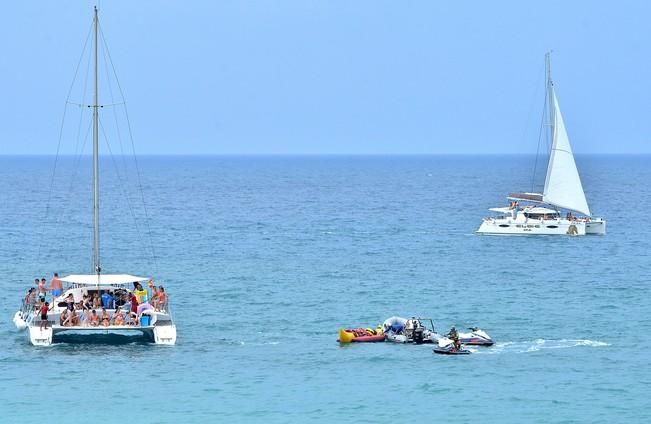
(454, 336)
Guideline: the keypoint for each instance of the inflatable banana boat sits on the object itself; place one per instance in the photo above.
(360, 335)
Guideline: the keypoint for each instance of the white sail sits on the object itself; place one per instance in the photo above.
(563, 187)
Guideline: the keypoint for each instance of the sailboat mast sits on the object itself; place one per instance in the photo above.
(550, 95)
(96, 157)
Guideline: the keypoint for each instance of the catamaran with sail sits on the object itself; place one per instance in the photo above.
(542, 213)
(131, 307)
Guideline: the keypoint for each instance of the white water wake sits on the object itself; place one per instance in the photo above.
(539, 344)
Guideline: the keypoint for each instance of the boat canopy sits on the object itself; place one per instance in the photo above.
(501, 210)
(94, 279)
(534, 197)
(539, 210)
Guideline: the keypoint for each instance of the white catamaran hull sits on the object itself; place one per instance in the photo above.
(596, 226)
(165, 334)
(531, 227)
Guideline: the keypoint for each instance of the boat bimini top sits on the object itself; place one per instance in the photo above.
(102, 279)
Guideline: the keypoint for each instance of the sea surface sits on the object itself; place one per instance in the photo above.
(265, 258)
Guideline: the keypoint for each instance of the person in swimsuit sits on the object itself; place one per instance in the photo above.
(74, 319)
(105, 318)
(162, 298)
(118, 318)
(70, 302)
(56, 287)
(97, 303)
(42, 290)
(44, 310)
(94, 318)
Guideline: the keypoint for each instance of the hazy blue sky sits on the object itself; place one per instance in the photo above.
(337, 76)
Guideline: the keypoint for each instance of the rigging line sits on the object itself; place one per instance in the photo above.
(135, 158)
(81, 111)
(110, 87)
(122, 185)
(56, 157)
(540, 136)
(103, 106)
(57, 223)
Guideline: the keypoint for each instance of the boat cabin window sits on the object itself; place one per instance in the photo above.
(553, 215)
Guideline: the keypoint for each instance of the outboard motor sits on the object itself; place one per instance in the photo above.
(418, 335)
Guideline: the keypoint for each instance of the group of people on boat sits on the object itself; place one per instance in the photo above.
(80, 317)
(93, 309)
(36, 295)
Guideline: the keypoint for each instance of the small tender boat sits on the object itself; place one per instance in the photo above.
(476, 337)
(414, 330)
(360, 335)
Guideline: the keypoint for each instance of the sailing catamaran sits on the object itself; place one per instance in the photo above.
(127, 311)
(562, 191)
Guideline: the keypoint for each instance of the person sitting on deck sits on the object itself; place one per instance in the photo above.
(81, 315)
(133, 318)
(85, 303)
(64, 319)
(94, 318)
(87, 318)
(73, 319)
(105, 318)
(118, 318)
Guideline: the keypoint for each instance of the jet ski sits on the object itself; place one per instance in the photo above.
(414, 330)
(476, 337)
(446, 347)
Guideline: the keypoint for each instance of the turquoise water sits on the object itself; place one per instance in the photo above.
(265, 258)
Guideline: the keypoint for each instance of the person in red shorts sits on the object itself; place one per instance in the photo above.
(45, 308)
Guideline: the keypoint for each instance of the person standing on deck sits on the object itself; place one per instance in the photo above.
(44, 309)
(56, 287)
(42, 290)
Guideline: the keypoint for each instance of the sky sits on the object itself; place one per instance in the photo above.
(336, 77)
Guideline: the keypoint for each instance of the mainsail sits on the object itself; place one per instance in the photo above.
(563, 187)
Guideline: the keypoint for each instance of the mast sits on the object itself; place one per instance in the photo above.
(550, 95)
(96, 263)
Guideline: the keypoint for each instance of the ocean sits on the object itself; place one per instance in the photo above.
(264, 258)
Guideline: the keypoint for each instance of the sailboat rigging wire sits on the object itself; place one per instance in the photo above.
(133, 149)
(56, 157)
(115, 115)
(122, 185)
(540, 136)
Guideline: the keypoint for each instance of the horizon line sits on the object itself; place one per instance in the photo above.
(313, 154)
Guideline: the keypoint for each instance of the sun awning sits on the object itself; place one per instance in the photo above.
(534, 197)
(540, 210)
(103, 279)
(501, 210)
